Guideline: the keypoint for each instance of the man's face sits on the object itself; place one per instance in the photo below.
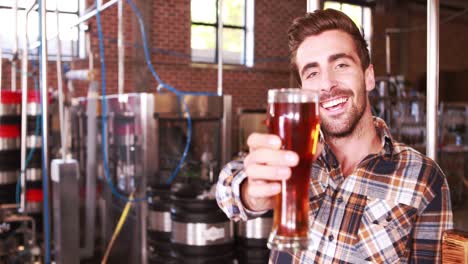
(329, 63)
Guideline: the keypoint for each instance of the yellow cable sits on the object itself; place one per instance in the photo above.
(121, 222)
(315, 138)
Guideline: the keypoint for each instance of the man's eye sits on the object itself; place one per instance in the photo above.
(341, 66)
(311, 75)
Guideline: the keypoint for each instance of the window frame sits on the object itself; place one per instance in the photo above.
(8, 52)
(215, 26)
(363, 4)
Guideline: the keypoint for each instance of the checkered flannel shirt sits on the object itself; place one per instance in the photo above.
(392, 209)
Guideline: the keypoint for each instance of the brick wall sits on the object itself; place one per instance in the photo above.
(168, 28)
(248, 86)
(33, 72)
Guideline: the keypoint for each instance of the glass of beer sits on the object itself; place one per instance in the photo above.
(293, 115)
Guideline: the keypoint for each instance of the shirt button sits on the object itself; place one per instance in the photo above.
(340, 199)
(389, 218)
(330, 237)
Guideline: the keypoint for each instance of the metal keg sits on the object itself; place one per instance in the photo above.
(10, 124)
(10, 154)
(9, 159)
(251, 239)
(10, 133)
(34, 141)
(33, 132)
(159, 224)
(34, 194)
(201, 232)
(34, 202)
(10, 103)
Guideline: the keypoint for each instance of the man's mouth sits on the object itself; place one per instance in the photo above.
(334, 104)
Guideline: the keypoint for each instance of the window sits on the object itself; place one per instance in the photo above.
(313, 5)
(237, 31)
(68, 14)
(360, 14)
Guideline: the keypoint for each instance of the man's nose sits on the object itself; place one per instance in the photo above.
(327, 81)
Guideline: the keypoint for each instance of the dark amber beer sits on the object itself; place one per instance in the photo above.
(293, 115)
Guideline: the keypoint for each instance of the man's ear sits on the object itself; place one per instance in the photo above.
(369, 78)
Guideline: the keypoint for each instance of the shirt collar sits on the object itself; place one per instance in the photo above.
(385, 136)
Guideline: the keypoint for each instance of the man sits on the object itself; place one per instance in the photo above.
(372, 199)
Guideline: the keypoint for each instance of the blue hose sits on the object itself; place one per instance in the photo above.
(104, 113)
(180, 95)
(148, 59)
(45, 185)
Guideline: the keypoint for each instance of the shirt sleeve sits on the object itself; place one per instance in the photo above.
(435, 218)
(228, 192)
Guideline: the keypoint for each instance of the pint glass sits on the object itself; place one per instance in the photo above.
(293, 115)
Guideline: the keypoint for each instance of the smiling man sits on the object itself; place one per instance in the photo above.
(372, 199)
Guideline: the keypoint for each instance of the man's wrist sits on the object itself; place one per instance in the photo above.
(243, 196)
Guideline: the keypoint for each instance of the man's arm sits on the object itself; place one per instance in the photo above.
(434, 220)
(228, 190)
(253, 182)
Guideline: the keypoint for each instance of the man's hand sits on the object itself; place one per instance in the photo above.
(265, 165)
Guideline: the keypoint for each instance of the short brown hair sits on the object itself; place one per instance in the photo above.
(319, 21)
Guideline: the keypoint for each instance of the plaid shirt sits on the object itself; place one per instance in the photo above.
(393, 208)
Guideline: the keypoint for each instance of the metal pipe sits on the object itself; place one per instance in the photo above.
(91, 172)
(79, 75)
(388, 59)
(120, 49)
(45, 132)
(24, 105)
(90, 52)
(80, 20)
(91, 14)
(90, 199)
(432, 77)
(63, 131)
(15, 47)
(220, 47)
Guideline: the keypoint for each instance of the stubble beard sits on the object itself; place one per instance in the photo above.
(337, 129)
